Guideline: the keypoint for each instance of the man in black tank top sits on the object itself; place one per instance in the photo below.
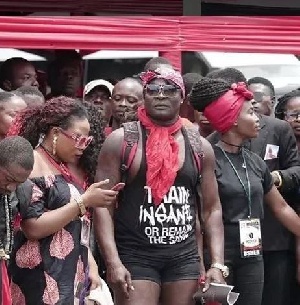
(149, 241)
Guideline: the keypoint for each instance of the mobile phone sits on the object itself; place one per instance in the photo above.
(118, 187)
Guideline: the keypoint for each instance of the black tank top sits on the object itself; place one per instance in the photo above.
(140, 225)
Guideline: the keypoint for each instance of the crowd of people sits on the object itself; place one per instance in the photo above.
(158, 183)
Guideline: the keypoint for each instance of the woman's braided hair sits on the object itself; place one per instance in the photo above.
(230, 75)
(207, 90)
(282, 102)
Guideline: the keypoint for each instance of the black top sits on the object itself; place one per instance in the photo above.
(233, 198)
(167, 228)
(278, 133)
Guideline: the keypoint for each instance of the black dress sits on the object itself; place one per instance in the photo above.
(49, 270)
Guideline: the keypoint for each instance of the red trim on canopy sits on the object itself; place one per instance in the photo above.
(251, 34)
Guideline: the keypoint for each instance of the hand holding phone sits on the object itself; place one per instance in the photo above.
(118, 187)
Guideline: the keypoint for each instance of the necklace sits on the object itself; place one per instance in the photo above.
(6, 250)
(246, 186)
(230, 144)
(63, 169)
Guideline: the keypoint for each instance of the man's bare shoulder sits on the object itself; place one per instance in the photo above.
(114, 141)
(208, 152)
(117, 134)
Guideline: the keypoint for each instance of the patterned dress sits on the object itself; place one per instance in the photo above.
(53, 269)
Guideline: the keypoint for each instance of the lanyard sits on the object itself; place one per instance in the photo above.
(247, 192)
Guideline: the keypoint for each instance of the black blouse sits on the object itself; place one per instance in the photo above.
(232, 195)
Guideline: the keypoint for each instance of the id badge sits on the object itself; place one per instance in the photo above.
(85, 231)
(250, 237)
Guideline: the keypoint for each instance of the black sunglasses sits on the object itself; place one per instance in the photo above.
(166, 90)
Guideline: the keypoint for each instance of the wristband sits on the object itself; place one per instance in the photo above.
(81, 205)
(277, 173)
(224, 269)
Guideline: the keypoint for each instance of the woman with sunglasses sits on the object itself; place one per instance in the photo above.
(51, 261)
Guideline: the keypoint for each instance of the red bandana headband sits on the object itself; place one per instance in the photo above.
(165, 73)
(223, 112)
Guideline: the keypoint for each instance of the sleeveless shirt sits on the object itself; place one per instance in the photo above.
(140, 225)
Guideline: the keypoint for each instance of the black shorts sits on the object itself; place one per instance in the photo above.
(162, 268)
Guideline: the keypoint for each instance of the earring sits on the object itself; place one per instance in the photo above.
(54, 142)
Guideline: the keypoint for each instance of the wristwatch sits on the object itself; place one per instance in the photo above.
(224, 269)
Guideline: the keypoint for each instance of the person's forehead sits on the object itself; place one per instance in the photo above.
(75, 64)
(24, 67)
(161, 81)
(258, 87)
(127, 87)
(99, 89)
(294, 102)
(79, 124)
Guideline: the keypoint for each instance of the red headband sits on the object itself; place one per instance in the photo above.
(223, 112)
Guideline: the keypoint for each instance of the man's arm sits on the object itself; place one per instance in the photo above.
(109, 167)
(109, 162)
(212, 210)
(282, 211)
(289, 159)
(199, 237)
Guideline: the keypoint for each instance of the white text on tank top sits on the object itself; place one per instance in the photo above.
(171, 221)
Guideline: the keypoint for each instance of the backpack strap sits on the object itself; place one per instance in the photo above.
(130, 144)
(194, 138)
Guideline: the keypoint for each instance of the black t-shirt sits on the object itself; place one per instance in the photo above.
(233, 198)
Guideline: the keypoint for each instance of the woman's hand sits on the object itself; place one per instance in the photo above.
(94, 276)
(96, 196)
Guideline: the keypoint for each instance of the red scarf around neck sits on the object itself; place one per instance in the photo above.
(162, 155)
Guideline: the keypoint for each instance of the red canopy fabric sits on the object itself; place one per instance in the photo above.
(123, 33)
(242, 34)
(169, 34)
